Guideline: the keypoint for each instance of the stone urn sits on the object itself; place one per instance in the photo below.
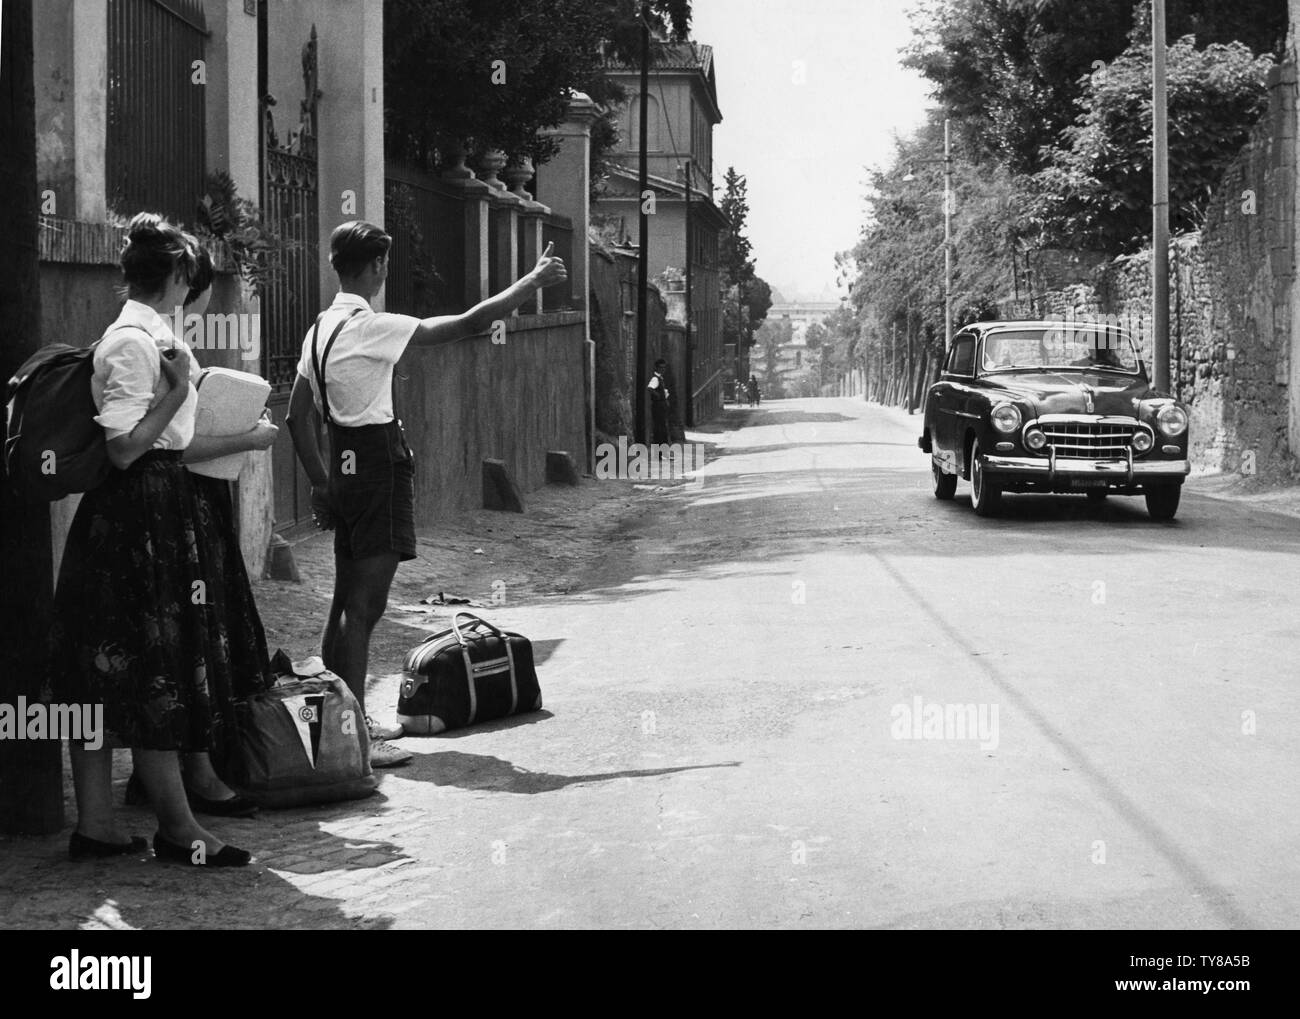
(490, 163)
(519, 171)
(453, 152)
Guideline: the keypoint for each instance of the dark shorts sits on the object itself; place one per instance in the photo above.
(372, 491)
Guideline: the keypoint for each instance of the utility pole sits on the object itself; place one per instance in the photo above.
(947, 236)
(643, 255)
(947, 228)
(1159, 200)
(688, 412)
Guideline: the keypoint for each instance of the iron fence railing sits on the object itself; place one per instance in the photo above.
(558, 230)
(292, 299)
(426, 265)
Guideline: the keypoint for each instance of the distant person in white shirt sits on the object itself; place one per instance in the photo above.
(367, 495)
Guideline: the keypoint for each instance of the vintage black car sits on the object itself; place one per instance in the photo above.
(1053, 407)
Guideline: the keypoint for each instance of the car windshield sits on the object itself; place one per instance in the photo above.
(1069, 345)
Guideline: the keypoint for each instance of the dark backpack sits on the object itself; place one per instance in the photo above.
(53, 444)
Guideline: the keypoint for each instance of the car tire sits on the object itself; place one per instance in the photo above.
(945, 484)
(1162, 501)
(985, 492)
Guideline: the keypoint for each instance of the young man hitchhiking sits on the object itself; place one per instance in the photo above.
(367, 495)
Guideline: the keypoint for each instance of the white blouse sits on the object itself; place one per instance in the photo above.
(128, 380)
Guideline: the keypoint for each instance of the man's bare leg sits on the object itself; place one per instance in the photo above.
(364, 599)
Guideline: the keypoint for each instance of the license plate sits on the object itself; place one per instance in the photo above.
(1088, 483)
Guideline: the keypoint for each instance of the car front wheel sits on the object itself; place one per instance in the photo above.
(1162, 502)
(945, 484)
(985, 492)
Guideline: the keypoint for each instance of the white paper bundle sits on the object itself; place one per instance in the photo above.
(230, 402)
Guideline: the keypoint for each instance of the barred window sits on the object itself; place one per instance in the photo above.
(155, 146)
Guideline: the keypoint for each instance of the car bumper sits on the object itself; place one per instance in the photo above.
(1125, 472)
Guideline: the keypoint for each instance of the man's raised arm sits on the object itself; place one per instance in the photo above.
(448, 328)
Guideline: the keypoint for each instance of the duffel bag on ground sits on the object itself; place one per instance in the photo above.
(467, 674)
(303, 741)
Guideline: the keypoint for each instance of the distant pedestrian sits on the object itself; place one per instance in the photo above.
(367, 494)
(659, 397)
(755, 395)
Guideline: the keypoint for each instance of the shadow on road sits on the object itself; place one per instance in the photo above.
(735, 418)
(482, 771)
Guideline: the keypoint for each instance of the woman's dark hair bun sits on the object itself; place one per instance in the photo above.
(155, 251)
(144, 227)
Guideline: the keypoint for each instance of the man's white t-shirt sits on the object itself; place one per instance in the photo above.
(359, 370)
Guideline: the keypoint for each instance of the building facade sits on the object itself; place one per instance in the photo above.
(157, 105)
(686, 224)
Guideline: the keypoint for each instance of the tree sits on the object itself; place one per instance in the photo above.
(770, 338)
(750, 296)
(1095, 191)
(742, 315)
(1009, 71)
(488, 74)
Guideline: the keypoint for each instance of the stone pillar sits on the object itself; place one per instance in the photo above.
(477, 220)
(567, 183)
(503, 224)
(518, 173)
(531, 215)
(89, 148)
(232, 145)
(90, 107)
(567, 190)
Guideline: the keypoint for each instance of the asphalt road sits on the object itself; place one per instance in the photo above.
(730, 737)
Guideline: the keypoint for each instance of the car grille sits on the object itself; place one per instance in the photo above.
(1089, 440)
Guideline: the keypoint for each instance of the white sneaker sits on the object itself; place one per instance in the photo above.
(384, 755)
(379, 732)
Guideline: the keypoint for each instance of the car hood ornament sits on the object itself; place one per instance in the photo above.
(1087, 399)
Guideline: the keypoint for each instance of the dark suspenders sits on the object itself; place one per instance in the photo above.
(319, 359)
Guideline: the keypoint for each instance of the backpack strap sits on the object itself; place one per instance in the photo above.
(319, 359)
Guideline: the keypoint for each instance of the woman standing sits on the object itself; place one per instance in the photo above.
(239, 665)
(134, 629)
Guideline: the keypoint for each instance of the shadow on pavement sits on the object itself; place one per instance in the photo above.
(141, 893)
(482, 771)
(501, 724)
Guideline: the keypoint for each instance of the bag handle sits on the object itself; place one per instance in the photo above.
(477, 620)
(319, 359)
(452, 629)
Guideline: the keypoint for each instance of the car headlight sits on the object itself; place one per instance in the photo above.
(1142, 441)
(1035, 439)
(1005, 418)
(1172, 420)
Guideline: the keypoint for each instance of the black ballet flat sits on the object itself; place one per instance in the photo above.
(82, 848)
(236, 806)
(228, 857)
